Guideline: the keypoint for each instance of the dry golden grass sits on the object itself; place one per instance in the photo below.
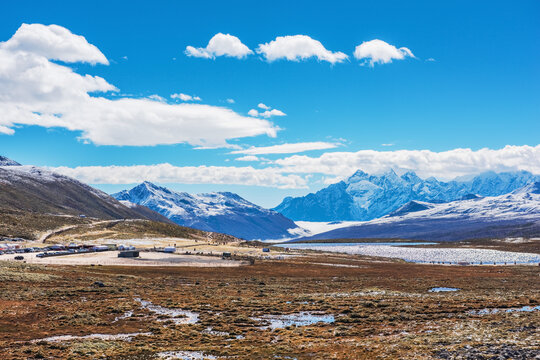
(382, 310)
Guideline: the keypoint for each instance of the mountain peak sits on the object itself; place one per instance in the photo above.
(358, 175)
(411, 176)
(147, 185)
(223, 212)
(4, 161)
(390, 172)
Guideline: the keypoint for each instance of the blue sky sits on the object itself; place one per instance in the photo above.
(472, 84)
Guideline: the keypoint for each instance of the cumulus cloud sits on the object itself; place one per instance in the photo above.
(55, 43)
(293, 172)
(247, 158)
(267, 113)
(380, 52)
(263, 106)
(444, 165)
(185, 97)
(37, 91)
(286, 148)
(230, 101)
(298, 47)
(220, 45)
(167, 173)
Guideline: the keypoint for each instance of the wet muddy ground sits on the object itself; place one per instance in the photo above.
(315, 307)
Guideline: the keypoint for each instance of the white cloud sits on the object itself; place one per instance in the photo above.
(220, 45)
(156, 97)
(6, 130)
(431, 60)
(55, 43)
(230, 101)
(262, 106)
(185, 97)
(167, 173)
(298, 47)
(388, 144)
(286, 148)
(37, 91)
(287, 173)
(380, 52)
(247, 158)
(444, 165)
(273, 112)
(267, 113)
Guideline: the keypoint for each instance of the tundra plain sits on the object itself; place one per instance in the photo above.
(311, 306)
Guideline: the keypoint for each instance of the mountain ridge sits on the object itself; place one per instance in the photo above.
(223, 212)
(365, 197)
(34, 189)
(513, 214)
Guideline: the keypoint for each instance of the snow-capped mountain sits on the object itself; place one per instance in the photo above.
(364, 197)
(222, 212)
(513, 214)
(4, 161)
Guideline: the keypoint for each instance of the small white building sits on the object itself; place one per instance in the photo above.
(169, 249)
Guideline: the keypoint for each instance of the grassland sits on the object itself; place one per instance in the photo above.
(64, 228)
(382, 310)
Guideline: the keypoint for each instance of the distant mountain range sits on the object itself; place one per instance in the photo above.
(513, 214)
(388, 206)
(365, 197)
(34, 189)
(222, 212)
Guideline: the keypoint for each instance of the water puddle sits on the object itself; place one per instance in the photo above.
(184, 355)
(493, 311)
(442, 289)
(126, 315)
(106, 337)
(299, 319)
(178, 316)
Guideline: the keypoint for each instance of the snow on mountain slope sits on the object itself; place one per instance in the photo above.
(223, 212)
(364, 197)
(4, 161)
(513, 214)
(30, 188)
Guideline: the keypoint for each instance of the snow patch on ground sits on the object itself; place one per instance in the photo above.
(426, 255)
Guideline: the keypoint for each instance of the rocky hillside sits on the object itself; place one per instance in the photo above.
(29, 188)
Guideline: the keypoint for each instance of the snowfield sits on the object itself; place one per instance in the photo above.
(427, 255)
